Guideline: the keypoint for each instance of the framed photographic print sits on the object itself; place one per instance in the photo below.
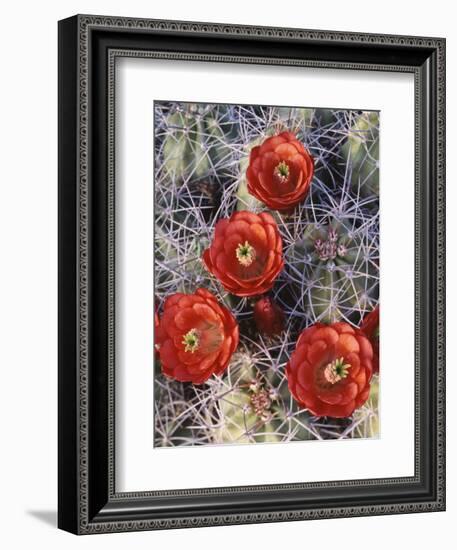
(251, 274)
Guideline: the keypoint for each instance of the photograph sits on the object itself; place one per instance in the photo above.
(267, 270)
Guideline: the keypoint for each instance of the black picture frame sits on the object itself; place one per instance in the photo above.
(88, 502)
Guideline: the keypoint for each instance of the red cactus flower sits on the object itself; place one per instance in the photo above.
(156, 330)
(280, 171)
(246, 253)
(330, 370)
(268, 316)
(196, 337)
(370, 327)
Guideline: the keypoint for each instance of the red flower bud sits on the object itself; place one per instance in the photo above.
(268, 316)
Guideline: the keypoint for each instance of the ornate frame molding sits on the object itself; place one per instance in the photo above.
(76, 512)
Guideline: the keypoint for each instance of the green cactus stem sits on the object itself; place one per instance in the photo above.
(339, 268)
(196, 141)
(253, 405)
(361, 154)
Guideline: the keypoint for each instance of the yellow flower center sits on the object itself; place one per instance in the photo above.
(336, 370)
(190, 341)
(245, 254)
(282, 171)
